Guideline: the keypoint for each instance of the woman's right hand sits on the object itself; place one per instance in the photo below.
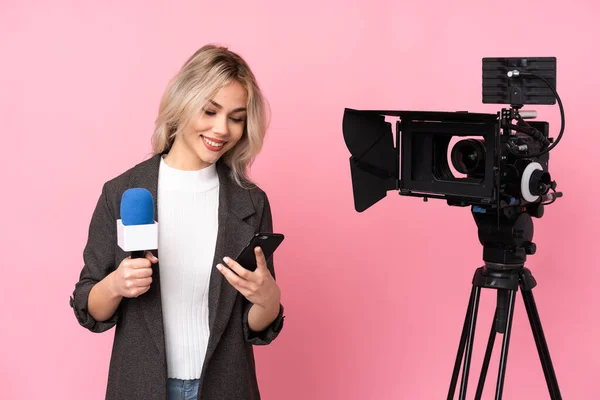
(133, 276)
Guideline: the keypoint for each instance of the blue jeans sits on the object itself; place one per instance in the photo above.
(183, 389)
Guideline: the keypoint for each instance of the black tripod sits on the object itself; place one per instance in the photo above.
(506, 238)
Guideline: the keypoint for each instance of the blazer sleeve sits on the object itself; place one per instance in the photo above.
(98, 258)
(269, 334)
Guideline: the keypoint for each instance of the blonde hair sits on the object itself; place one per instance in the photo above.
(208, 70)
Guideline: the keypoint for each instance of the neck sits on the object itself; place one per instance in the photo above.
(181, 158)
(173, 179)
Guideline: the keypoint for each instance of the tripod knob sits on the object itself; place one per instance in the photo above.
(530, 248)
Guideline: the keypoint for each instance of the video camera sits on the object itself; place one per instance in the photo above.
(501, 160)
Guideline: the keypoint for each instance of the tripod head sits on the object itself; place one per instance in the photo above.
(507, 234)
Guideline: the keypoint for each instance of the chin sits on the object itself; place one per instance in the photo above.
(209, 158)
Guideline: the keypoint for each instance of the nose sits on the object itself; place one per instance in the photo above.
(220, 126)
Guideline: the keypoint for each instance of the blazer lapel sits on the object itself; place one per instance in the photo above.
(147, 177)
(235, 205)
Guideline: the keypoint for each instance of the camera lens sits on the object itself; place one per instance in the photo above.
(468, 157)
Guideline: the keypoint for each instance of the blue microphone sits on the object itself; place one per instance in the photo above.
(136, 229)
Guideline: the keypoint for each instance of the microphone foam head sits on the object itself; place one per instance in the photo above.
(137, 207)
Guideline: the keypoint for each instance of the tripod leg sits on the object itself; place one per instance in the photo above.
(469, 349)
(486, 360)
(461, 346)
(498, 326)
(505, 343)
(542, 347)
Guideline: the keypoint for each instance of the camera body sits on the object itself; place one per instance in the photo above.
(480, 168)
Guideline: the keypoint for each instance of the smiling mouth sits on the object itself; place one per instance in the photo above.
(213, 143)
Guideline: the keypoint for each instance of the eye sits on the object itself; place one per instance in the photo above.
(208, 112)
(238, 120)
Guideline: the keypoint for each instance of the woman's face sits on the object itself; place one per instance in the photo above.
(214, 131)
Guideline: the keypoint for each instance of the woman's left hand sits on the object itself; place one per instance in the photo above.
(258, 286)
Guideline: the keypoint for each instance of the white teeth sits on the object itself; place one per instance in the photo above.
(215, 144)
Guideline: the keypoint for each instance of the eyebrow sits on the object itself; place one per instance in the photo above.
(214, 103)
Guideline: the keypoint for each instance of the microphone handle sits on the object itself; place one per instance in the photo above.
(138, 254)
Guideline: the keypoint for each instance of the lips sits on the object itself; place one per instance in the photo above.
(213, 144)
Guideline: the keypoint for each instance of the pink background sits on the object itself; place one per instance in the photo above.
(375, 301)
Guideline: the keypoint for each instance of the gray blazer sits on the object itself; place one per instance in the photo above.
(138, 368)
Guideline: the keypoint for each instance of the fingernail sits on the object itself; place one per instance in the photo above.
(219, 267)
(226, 259)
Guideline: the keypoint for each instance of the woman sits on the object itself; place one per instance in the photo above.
(185, 330)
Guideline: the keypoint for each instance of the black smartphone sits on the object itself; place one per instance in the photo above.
(268, 242)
